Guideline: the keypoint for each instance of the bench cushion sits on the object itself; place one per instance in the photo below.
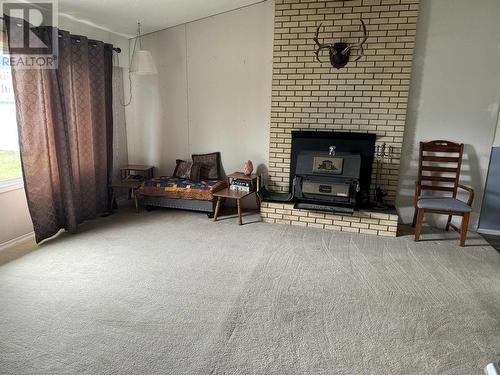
(181, 188)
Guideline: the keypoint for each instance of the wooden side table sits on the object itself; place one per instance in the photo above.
(130, 181)
(227, 193)
(146, 171)
(132, 187)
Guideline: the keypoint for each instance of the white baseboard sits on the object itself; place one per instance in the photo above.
(491, 232)
(14, 241)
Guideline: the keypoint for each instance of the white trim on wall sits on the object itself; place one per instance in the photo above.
(24, 237)
(11, 184)
(490, 232)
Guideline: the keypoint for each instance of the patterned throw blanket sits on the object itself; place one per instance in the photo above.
(181, 188)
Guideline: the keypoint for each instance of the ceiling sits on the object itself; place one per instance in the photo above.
(121, 16)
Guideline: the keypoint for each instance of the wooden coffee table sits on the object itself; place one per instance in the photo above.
(230, 194)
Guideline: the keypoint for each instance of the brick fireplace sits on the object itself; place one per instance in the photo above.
(367, 96)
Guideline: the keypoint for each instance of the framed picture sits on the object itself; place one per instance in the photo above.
(329, 165)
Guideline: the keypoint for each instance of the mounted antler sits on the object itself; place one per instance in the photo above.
(321, 46)
(340, 52)
(360, 44)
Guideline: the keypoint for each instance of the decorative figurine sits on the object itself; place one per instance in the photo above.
(248, 168)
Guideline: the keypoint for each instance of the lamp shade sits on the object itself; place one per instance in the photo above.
(142, 63)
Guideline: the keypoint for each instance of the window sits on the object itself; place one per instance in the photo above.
(10, 161)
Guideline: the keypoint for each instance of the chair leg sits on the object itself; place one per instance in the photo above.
(420, 219)
(414, 217)
(448, 222)
(463, 230)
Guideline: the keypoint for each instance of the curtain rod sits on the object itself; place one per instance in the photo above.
(91, 41)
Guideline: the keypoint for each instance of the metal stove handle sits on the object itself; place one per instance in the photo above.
(331, 151)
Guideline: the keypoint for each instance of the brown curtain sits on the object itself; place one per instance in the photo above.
(65, 125)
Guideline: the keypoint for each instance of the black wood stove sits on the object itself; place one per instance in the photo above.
(327, 181)
(331, 171)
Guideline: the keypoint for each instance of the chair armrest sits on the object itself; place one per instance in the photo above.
(470, 191)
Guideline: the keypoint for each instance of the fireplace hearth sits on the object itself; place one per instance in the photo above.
(330, 174)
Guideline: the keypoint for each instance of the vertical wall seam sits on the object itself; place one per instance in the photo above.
(187, 93)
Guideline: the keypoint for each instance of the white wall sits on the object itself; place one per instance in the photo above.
(212, 92)
(80, 28)
(496, 142)
(455, 89)
(15, 219)
(157, 119)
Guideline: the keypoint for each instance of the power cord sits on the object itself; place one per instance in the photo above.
(138, 37)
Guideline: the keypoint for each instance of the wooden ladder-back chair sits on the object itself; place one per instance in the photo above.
(439, 171)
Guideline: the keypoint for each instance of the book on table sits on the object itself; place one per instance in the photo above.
(241, 185)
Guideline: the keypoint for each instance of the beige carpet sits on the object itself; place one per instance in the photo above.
(170, 292)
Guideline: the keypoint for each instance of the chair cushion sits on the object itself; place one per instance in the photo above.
(443, 204)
